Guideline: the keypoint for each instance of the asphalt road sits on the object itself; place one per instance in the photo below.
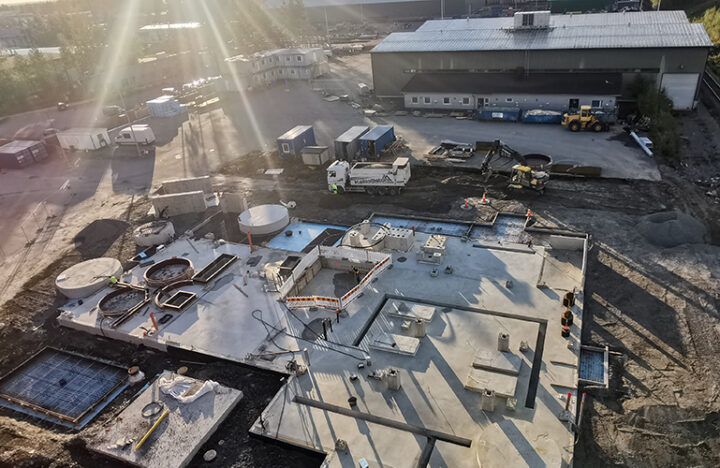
(196, 145)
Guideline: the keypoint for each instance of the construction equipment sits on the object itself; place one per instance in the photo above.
(371, 177)
(587, 119)
(525, 177)
(522, 174)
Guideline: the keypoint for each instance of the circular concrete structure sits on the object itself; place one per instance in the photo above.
(86, 278)
(154, 233)
(120, 301)
(263, 219)
(169, 271)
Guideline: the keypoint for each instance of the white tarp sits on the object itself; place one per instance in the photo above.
(185, 389)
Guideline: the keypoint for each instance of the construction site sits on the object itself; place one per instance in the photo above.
(310, 272)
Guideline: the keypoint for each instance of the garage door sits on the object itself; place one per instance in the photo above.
(680, 88)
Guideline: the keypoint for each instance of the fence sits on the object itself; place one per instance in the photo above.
(381, 262)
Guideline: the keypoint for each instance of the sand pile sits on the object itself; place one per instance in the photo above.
(671, 228)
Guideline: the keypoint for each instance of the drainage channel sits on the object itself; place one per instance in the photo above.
(443, 436)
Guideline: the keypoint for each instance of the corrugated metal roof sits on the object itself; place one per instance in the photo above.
(646, 29)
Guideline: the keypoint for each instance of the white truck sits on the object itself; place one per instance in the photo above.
(371, 177)
(138, 133)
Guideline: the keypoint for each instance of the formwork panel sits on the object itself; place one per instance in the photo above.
(61, 387)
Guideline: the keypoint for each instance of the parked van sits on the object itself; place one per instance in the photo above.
(140, 133)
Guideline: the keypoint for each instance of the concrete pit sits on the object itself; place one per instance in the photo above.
(169, 271)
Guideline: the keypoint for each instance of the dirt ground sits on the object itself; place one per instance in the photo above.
(656, 308)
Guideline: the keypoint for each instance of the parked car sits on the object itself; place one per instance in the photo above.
(61, 106)
(112, 111)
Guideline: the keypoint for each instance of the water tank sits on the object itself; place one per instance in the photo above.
(263, 219)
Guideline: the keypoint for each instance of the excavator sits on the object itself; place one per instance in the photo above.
(522, 176)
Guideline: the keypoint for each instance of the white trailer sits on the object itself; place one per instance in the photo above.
(140, 133)
(84, 139)
(371, 177)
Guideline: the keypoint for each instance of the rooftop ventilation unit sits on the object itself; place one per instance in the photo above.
(532, 20)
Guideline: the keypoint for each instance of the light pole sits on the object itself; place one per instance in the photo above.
(130, 122)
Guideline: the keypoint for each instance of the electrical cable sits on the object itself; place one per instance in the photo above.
(266, 325)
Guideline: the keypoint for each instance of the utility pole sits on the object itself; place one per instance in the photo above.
(130, 122)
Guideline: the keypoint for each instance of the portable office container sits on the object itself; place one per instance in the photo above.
(376, 140)
(85, 139)
(22, 153)
(293, 141)
(347, 145)
(315, 155)
(164, 106)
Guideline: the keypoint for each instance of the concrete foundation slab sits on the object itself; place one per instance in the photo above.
(496, 361)
(471, 309)
(479, 380)
(176, 439)
(410, 311)
(399, 344)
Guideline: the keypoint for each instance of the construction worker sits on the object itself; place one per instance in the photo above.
(357, 275)
(334, 189)
(113, 280)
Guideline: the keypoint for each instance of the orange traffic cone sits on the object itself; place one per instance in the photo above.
(484, 200)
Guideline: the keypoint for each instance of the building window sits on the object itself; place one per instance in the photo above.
(596, 103)
(427, 100)
(287, 59)
(446, 100)
(528, 20)
(508, 99)
(466, 101)
(285, 148)
(292, 72)
(414, 100)
(299, 58)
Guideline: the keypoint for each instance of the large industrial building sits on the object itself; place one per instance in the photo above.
(538, 60)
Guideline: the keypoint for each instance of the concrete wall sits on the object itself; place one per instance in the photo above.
(566, 243)
(392, 71)
(191, 184)
(178, 203)
(233, 202)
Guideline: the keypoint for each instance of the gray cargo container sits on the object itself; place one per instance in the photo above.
(347, 145)
(22, 153)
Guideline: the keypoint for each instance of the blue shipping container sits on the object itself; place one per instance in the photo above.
(499, 114)
(292, 142)
(376, 140)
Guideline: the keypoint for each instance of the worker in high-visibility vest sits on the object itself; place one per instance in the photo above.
(334, 189)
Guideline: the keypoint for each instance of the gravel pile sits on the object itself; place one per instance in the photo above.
(672, 228)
